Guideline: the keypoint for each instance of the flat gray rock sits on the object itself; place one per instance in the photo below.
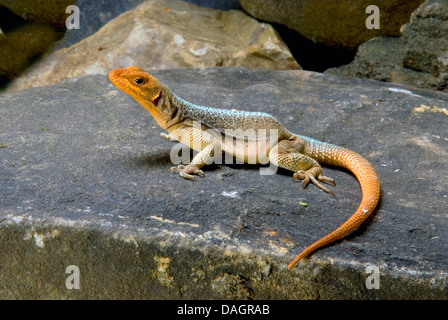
(84, 182)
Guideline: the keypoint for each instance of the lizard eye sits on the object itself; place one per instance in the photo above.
(139, 81)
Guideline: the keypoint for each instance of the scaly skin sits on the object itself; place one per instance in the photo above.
(282, 148)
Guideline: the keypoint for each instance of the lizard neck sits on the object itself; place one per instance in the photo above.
(168, 110)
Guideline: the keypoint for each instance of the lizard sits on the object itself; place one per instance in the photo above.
(299, 154)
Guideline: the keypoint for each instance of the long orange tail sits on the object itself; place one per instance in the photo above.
(367, 177)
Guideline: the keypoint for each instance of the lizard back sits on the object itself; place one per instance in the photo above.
(232, 122)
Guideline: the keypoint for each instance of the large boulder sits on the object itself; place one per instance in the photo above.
(43, 12)
(164, 35)
(426, 42)
(95, 14)
(21, 46)
(29, 31)
(418, 58)
(339, 23)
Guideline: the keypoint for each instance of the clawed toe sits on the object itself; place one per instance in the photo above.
(179, 168)
(308, 176)
(327, 180)
(199, 173)
(320, 186)
(187, 173)
(165, 136)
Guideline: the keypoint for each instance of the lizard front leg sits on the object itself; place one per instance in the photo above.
(194, 168)
(197, 140)
(286, 154)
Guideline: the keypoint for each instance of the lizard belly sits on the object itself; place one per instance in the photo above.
(249, 145)
(248, 151)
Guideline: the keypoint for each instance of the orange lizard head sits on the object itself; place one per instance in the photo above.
(147, 91)
(139, 84)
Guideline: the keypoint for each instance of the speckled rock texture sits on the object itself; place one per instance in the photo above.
(339, 23)
(419, 57)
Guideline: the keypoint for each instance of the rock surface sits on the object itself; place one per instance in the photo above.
(418, 58)
(96, 14)
(426, 42)
(84, 181)
(22, 45)
(43, 12)
(21, 42)
(166, 34)
(334, 23)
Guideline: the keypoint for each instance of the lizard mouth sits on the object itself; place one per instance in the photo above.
(157, 99)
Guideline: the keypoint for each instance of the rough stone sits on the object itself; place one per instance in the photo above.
(95, 14)
(42, 27)
(166, 34)
(333, 23)
(21, 46)
(41, 11)
(418, 58)
(425, 39)
(84, 181)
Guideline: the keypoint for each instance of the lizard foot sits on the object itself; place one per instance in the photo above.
(188, 171)
(314, 175)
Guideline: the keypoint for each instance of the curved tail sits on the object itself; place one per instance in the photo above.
(367, 177)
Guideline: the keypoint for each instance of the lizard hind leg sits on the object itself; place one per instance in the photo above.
(286, 154)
